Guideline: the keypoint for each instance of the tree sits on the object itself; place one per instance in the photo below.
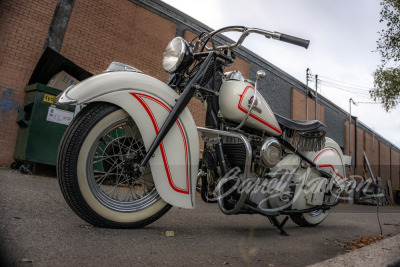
(387, 76)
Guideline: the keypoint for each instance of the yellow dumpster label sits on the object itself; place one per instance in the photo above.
(48, 98)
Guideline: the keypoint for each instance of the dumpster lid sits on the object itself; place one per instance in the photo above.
(42, 88)
(51, 63)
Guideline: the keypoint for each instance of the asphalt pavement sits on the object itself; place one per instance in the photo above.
(37, 228)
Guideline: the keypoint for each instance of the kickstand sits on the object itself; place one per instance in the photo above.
(279, 225)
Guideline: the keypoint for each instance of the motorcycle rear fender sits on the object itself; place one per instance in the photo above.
(148, 101)
(331, 160)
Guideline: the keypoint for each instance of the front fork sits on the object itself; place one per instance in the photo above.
(212, 123)
(207, 183)
(176, 111)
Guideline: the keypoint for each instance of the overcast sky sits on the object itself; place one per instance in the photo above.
(343, 34)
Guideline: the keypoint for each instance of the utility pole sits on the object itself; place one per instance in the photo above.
(350, 101)
(307, 76)
(316, 97)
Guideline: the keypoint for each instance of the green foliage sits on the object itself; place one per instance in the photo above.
(387, 79)
(387, 87)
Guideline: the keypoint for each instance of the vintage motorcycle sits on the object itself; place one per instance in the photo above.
(133, 151)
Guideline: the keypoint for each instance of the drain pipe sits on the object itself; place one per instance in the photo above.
(307, 93)
(316, 97)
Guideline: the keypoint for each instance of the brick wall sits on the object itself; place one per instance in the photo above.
(299, 107)
(384, 163)
(99, 33)
(357, 152)
(359, 163)
(371, 146)
(347, 151)
(394, 169)
(23, 30)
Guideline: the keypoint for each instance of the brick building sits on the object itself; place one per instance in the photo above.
(94, 33)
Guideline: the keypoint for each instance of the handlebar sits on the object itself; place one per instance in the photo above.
(247, 31)
(294, 40)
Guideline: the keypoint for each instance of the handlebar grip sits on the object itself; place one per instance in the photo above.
(294, 40)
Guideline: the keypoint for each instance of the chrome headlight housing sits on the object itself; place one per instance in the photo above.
(177, 55)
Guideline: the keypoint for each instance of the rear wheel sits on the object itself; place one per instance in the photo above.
(97, 170)
(313, 218)
(310, 219)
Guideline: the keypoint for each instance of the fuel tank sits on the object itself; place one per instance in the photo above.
(235, 98)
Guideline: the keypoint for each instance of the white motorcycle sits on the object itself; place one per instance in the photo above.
(133, 151)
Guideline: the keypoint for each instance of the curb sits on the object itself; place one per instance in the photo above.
(383, 253)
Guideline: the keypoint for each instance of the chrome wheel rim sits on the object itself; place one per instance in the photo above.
(111, 173)
(315, 213)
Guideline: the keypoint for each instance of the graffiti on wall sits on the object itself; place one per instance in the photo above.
(7, 101)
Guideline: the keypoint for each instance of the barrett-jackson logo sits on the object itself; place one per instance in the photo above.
(255, 108)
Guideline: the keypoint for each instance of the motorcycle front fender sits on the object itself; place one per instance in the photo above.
(148, 101)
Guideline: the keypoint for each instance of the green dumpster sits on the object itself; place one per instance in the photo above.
(41, 126)
(41, 123)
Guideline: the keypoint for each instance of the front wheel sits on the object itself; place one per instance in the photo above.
(97, 170)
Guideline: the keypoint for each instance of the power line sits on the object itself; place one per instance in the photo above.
(345, 89)
(354, 89)
(358, 90)
(348, 84)
(368, 103)
(360, 94)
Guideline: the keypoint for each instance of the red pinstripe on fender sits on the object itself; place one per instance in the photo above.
(328, 165)
(140, 97)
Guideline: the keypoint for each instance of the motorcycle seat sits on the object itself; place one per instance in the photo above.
(307, 127)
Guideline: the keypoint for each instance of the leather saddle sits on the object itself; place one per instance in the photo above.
(313, 127)
(303, 135)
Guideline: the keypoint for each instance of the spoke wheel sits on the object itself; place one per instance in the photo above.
(113, 177)
(98, 170)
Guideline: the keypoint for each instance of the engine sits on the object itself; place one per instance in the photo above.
(269, 189)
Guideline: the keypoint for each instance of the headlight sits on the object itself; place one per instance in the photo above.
(177, 55)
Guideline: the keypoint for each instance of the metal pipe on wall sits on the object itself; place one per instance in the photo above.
(307, 93)
(350, 101)
(355, 141)
(316, 97)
